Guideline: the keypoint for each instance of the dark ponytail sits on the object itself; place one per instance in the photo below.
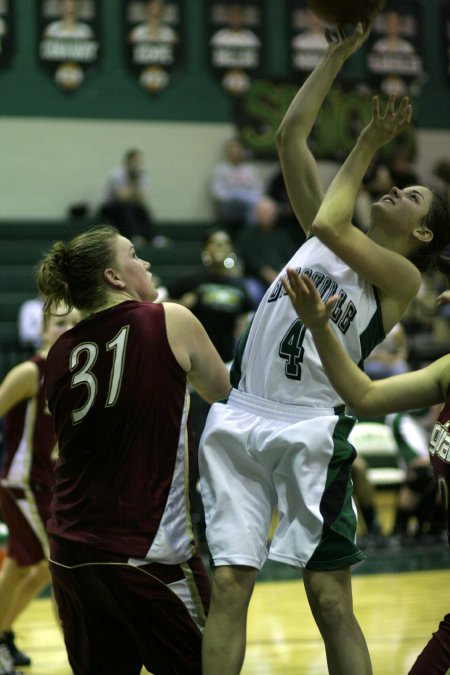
(437, 220)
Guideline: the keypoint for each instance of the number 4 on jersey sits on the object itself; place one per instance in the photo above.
(292, 351)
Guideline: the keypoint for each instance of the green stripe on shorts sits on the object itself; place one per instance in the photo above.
(336, 548)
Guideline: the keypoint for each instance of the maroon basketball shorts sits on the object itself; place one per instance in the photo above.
(26, 513)
(118, 617)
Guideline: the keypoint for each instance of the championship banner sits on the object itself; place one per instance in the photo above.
(6, 32)
(307, 38)
(154, 41)
(235, 43)
(394, 50)
(68, 40)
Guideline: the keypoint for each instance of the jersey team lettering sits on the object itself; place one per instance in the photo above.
(440, 441)
(344, 310)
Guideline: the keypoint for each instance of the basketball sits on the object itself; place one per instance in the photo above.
(339, 12)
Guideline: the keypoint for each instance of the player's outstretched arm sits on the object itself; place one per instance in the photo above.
(408, 391)
(392, 273)
(336, 210)
(299, 167)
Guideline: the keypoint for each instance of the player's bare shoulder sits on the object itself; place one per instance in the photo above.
(178, 315)
(181, 327)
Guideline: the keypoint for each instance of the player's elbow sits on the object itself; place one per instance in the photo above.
(322, 228)
(281, 137)
(218, 393)
(218, 387)
(364, 403)
(287, 134)
(329, 225)
(358, 409)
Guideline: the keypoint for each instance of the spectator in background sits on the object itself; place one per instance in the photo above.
(265, 247)
(236, 186)
(125, 201)
(217, 295)
(26, 485)
(364, 494)
(418, 513)
(30, 323)
(441, 319)
(390, 357)
(418, 496)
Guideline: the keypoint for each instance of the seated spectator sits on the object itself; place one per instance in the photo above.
(30, 323)
(418, 513)
(265, 248)
(217, 294)
(218, 297)
(390, 357)
(125, 201)
(236, 186)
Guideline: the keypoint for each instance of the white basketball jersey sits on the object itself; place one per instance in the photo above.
(276, 357)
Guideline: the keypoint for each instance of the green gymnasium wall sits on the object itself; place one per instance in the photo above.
(111, 92)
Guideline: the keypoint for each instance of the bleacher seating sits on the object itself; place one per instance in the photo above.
(22, 244)
(376, 444)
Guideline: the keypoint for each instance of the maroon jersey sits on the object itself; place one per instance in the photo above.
(29, 440)
(440, 453)
(120, 402)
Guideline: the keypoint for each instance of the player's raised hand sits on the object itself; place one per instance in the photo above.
(384, 126)
(346, 45)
